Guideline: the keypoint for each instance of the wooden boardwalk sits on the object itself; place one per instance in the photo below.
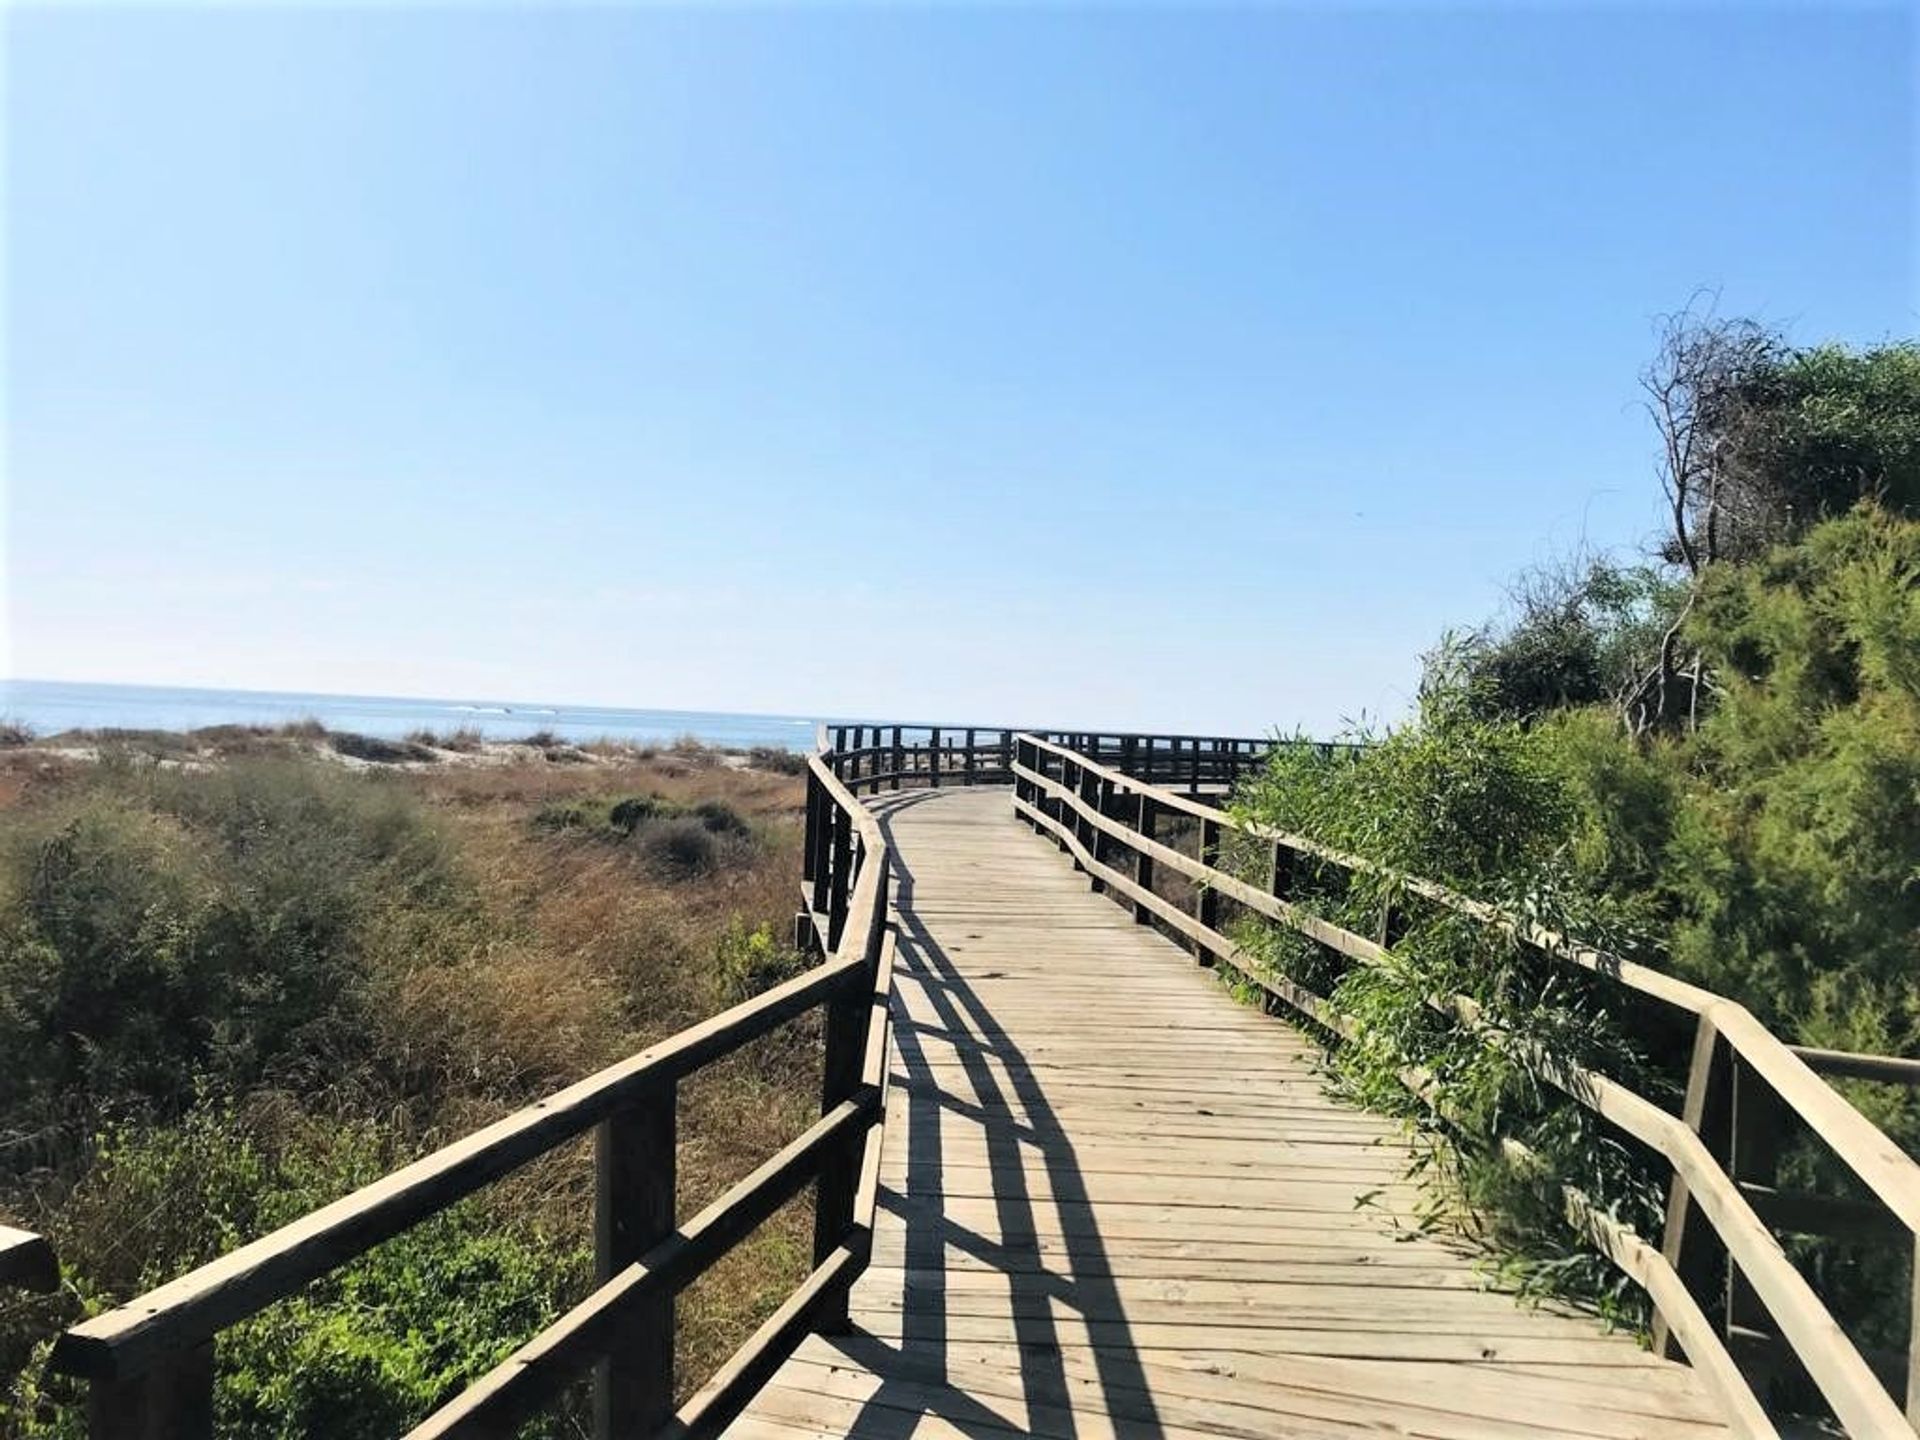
(1117, 1203)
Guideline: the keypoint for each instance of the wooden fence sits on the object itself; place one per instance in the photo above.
(150, 1363)
(1719, 1252)
(875, 757)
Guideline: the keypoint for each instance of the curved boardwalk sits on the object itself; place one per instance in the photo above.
(1116, 1203)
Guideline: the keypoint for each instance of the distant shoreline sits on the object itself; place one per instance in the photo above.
(55, 707)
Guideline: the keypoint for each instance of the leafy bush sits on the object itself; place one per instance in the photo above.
(366, 1350)
(720, 818)
(777, 760)
(749, 961)
(373, 748)
(662, 829)
(1481, 804)
(680, 849)
(631, 813)
(170, 925)
(464, 740)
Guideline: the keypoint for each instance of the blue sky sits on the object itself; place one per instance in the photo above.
(1141, 367)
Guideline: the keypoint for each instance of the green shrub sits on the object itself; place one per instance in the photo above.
(367, 1350)
(373, 748)
(1482, 804)
(170, 926)
(722, 819)
(749, 962)
(777, 760)
(629, 814)
(680, 849)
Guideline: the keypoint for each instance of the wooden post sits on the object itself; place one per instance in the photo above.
(1207, 899)
(841, 877)
(1755, 1124)
(899, 757)
(1689, 1242)
(1103, 801)
(969, 760)
(1193, 763)
(1281, 882)
(933, 760)
(820, 815)
(846, 1038)
(633, 1210)
(810, 831)
(1006, 754)
(173, 1400)
(1913, 1335)
(1143, 817)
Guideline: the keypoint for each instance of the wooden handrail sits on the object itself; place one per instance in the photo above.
(26, 1260)
(1089, 792)
(1880, 1164)
(150, 1362)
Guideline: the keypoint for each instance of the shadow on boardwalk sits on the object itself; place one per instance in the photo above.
(1016, 1122)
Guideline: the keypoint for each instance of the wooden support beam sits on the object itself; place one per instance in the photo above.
(634, 1200)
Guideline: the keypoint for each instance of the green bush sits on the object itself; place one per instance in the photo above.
(680, 849)
(367, 1350)
(749, 961)
(164, 928)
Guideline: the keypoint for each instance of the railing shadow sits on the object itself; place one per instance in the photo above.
(1016, 1125)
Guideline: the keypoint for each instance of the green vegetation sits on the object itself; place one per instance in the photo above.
(1709, 761)
(232, 990)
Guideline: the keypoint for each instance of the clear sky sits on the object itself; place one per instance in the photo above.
(1144, 366)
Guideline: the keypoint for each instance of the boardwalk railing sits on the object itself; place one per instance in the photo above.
(1719, 1255)
(876, 757)
(150, 1362)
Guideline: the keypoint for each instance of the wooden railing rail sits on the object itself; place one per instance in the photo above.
(887, 756)
(150, 1362)
(26, 1260)
(1718, 1253)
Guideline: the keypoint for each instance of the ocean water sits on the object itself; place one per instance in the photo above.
(50, 706)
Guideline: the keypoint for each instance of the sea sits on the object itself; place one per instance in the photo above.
(51, 706)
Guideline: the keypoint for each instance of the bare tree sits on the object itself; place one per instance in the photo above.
(1698, 389)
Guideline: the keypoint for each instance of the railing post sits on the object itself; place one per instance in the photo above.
(1913, 1335)
(1006, 753)
(1207, 899)
(1062, 811)
(1101, 848)
(1193, 766)
(820, 827)
(1280, 876)
(933, 760)
(1755, 1125)
(842, 877)
(899, 757)
(1689, 1242)
(810, 857)
(633, 1210)
(846, 1038)
(969, 760)
(173, 1400)
(1143, 818)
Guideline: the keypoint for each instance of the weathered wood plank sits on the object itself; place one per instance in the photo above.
(1114, 1201)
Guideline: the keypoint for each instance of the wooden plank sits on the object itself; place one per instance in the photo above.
(1155, 1195)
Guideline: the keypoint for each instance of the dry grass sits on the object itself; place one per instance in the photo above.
(580, 955)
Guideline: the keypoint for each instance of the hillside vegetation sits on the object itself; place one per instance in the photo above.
(1708, 759)
(243, 974)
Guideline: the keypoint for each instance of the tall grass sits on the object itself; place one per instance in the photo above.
(231, 992)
